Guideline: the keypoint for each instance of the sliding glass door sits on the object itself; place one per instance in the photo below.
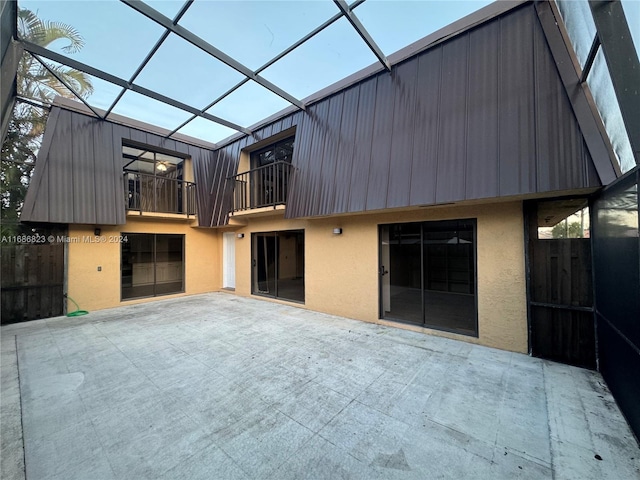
(278, 264)
(428, 274)
(151, 265)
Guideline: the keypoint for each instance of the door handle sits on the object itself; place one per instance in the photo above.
(253, 262)
(383, 272)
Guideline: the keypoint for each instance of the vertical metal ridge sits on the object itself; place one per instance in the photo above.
(426, 128)
(345, 151)
(405, 83)
(453, 135)
(380, 144)
(465, 155)
(40, 171)
(481, 171)
(328, 168)
(535, 100)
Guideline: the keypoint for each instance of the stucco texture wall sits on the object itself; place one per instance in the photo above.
(341, 271)
(95, 290)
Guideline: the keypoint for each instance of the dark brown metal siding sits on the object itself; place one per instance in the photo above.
(83, 170)
(327, 184)
(301, 149)
(404, 83)
(517, 145)
(381, 144)
(39, 181)
(482, 173)
(427, 128)
(313, 168)
(78, 174)
(450, 173)
(481, 115)
(61, 175)
(558, 137)
(346, 148)
(362, 147)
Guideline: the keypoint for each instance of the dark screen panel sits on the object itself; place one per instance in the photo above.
(616, 259)
(616, 252)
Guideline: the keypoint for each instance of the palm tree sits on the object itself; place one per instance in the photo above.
(34, 80)
(24, 134)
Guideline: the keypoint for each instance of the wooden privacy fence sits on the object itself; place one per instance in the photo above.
(32, 281)
(561, 301)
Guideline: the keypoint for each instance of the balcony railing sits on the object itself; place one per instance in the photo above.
(265, 186)
(152, 193)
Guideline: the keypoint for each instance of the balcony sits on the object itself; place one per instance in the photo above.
(265, 186)
(158, 194)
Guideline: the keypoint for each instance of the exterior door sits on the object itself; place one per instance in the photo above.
(278, 264)
(561, 320)
(428, 274)
(229, 260)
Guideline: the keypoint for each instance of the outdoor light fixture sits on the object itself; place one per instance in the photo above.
(241, 235)
(337, 231)
(161, 167)
(97, 232)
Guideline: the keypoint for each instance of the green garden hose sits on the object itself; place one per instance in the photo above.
(77, 312)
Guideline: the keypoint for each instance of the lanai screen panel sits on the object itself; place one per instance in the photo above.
(616, 248)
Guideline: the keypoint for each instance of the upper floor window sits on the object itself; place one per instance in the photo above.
(155, 182)
(266, 184)
(281, 151)
(149, 162)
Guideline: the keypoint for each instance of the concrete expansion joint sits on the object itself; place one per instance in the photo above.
(24, 458)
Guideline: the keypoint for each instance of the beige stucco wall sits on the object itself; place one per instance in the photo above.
(94, 290)
(341, 271)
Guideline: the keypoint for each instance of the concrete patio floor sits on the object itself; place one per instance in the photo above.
(222, 387)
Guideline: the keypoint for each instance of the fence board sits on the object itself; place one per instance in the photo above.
(32, 282)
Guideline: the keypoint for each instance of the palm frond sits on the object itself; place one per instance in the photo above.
(61, 31)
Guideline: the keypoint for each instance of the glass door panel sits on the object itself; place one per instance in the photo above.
(278, 264)
(427, 274)
(403, 290)
(291, 265)
(449, 271)
(264, 263)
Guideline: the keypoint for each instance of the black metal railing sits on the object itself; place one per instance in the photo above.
(153, 193)
(265, 186)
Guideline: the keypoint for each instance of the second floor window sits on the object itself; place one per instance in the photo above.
(271, 167)
(281, 151)
(154, 181)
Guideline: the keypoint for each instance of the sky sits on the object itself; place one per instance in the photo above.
(118, 38)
